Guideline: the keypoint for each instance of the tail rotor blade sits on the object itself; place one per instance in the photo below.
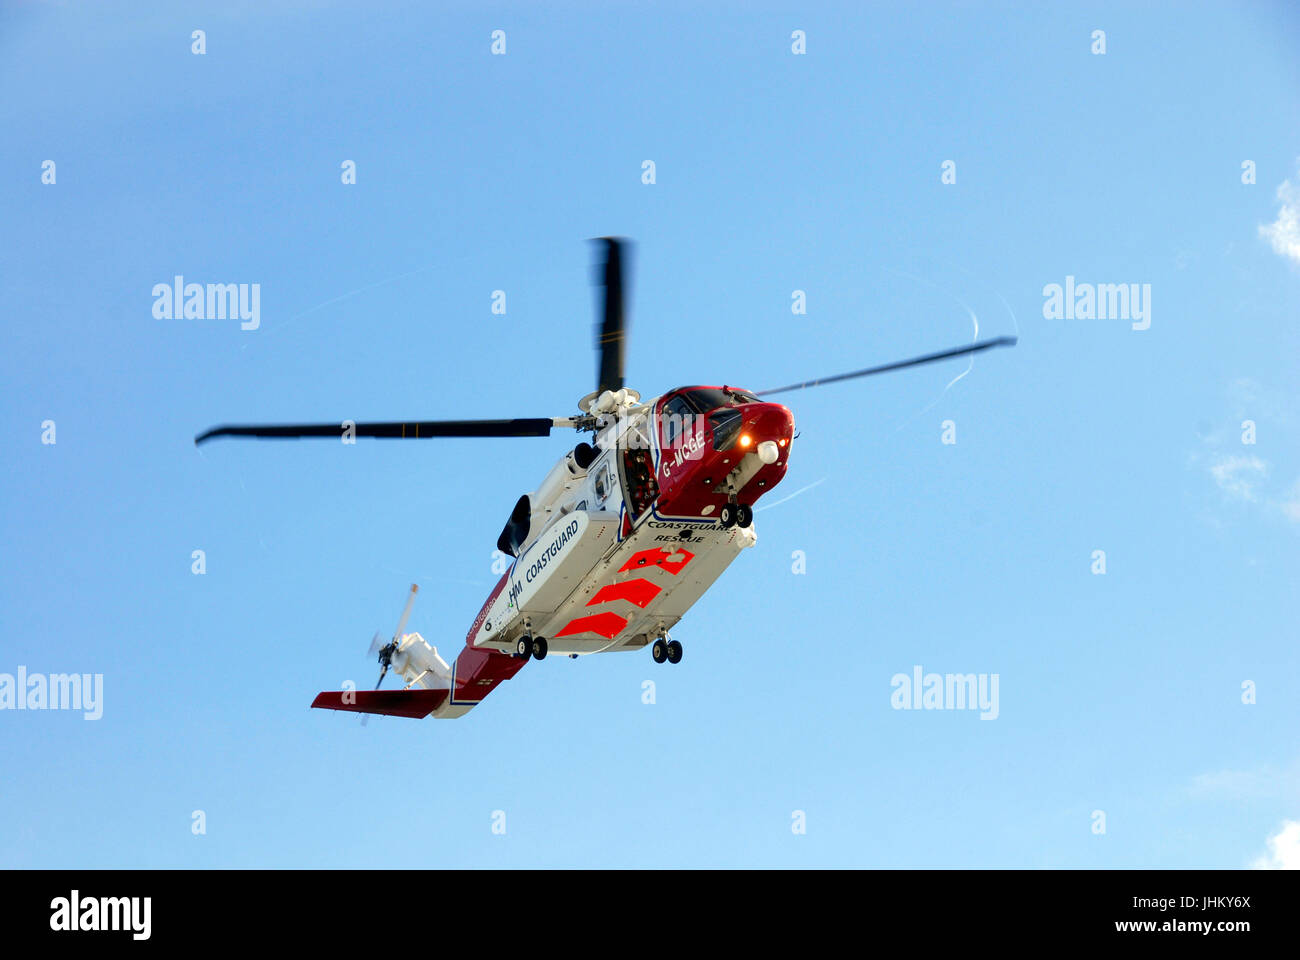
(382, 673)
(899, 364)
(406, 613)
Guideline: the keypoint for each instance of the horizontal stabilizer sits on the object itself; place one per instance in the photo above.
(393, 703)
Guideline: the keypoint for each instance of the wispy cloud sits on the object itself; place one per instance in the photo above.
(1226, 452)
(1284, 232)
(1283, 849)
(1239, 476)
(1261, 782)
(1291, 504)
(1236, 784)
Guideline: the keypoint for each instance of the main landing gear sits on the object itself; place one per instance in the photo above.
(664, 649)
(736, 515)
(530, 647)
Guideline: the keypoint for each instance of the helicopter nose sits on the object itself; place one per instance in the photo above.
(764, 429)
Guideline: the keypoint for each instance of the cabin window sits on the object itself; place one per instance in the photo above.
(604, 481)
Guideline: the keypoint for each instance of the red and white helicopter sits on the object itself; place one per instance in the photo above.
(617, 542)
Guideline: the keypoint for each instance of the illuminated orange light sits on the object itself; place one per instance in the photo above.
(745, 440)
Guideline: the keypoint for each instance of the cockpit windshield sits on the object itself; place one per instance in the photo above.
(706, 399)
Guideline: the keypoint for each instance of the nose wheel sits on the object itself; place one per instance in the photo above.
(736, 515)
(669, 650)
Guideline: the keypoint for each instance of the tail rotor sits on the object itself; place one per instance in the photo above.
(385, 653)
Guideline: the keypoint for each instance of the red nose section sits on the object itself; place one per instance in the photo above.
(744, 451)
(765, 421)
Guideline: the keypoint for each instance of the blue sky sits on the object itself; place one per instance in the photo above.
(1119, 693)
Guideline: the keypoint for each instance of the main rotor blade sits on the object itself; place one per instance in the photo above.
(613, 333)
(899, 365)
(413, 430)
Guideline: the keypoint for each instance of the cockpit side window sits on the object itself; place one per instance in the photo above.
(677, 414)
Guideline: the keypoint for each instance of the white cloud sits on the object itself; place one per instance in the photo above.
(1284, 232)
(1283, 849)
(1239, 476)
(1265, 781)
(1234, 783)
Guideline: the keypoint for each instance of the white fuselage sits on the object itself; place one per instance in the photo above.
(586, 582)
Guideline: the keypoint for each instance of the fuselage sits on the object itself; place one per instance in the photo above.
(623, 537)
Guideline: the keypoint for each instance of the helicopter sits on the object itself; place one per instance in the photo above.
(618, 541)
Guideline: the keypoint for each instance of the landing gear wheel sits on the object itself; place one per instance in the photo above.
(524, 647)
(674, 652)
(539, 648)
(744, 515)
(660, 650)
(728, 515)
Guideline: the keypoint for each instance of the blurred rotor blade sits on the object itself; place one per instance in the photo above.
(612, 335)
(410, 430)
(382, 673)
(899, 364)
(376, 644)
